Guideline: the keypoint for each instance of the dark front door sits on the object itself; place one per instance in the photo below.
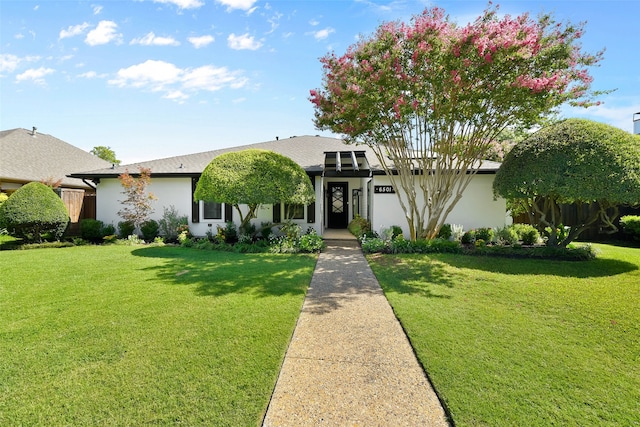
(337, 204)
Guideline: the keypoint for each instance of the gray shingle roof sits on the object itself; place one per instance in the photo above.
(25, 157)
(308, 151)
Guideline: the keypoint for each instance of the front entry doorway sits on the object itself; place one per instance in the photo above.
(338, 205)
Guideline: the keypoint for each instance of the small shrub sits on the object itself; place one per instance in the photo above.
(291, 230)
(170, 222)
(126, 228)
(400, 245)
(480, 243)
(149, 229)
(108, 230)
(359, 226)
(396, 231)
(374, 245)
(507, 236)
(631, 225)
(530, 236)
(468, 237)
(311, 243)
(486, 234)
(527, 233)
(230, 232)
(445, 232)
(91, 230)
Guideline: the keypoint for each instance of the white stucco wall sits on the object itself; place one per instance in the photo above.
(169, 191)
(177, 192)
(476, 208)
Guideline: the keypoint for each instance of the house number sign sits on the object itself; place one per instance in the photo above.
(383, 189)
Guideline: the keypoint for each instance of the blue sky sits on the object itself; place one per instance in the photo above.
(158, 78)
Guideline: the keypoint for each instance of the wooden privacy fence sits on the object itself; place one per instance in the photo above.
(80, 204)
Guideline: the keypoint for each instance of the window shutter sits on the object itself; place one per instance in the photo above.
(228, 212)
(195, 206)
(311, 208)
(276, 214)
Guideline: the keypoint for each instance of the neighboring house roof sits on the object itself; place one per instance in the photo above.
(27, 156)
(307, 151)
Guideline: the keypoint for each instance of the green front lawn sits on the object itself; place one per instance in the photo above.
(512, 342)
(122, 335)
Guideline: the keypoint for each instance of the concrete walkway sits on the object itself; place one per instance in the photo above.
(349, 362)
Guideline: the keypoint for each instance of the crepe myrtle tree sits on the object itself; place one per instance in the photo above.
(576, 161)
(137, 206)
(430, 97)
(253, 178)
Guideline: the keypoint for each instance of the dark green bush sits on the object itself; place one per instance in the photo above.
(631, 225)
(396, 231)
(359, 226)
(33, 211)
(108, 230)
(230, 232)
(149, 229)
(126, 228)
(468, 237)
(445, 232)
(91, 230)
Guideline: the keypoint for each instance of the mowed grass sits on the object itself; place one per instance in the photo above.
(524, 342)
(121, 335)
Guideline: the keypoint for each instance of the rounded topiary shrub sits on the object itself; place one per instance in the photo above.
(126, 228)
(150, 230)
(91, 230)
(33, 211)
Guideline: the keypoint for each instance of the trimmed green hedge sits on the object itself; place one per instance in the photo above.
(33, 212)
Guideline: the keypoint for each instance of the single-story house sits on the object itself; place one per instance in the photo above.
(27, 156)
(346, 178)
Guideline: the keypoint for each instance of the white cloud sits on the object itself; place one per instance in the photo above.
(201, 41)
(104, 33)
(211, 78)
(152, 40)
(18, 36)
(243, 41)
(92, 75)
(176, 95)
(239, 100)
(237, 4)
(314, 23)
(88, 75)
(275, 22)
(73, 30)
(176, 82)
(151, 74)
(36, 75)
(322, 34)
(10, 62)
(183, 4)
(97, 10)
